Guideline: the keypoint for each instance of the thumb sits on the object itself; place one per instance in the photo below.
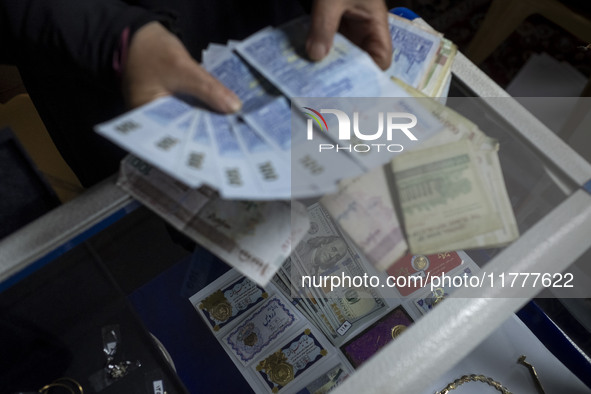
(192, 78)
(158, 64)
(326, 16)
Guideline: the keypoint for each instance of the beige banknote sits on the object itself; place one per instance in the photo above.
(253, 237)
(440, 69)
(443, 197)
(364, 208)
(489, 169)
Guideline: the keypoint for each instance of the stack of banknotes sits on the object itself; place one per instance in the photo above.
(226, 180)
(421, 60)
(334, 284)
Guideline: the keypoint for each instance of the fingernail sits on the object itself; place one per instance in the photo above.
(233, 103)
(317, 51)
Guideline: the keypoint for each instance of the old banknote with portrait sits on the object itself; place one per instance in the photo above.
(324, 253)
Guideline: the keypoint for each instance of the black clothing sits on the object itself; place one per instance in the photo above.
(64, 50)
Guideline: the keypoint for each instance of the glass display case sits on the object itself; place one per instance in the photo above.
(103, 269)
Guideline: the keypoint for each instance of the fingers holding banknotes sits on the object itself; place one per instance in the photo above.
(364, 22)
(158, 65)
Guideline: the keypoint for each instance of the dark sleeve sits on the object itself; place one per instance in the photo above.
(82, 33)
(306, 5)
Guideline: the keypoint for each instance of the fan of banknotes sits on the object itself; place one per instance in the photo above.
(226, 180)
(253, 155)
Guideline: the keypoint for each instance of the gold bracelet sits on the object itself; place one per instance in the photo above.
(474, 378)
(64, 383)
(481, 378)
(75, 383)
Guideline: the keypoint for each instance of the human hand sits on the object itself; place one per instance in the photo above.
(364, 22)
(158, 64)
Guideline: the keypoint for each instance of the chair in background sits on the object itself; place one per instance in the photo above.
(20, 115)
(504, 16)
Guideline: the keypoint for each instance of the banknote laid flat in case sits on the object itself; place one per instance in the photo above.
(288, 362)
(227, 303)
(442, 197)
(453, 197)
(260, 330)
(253, 237)
(364, 209)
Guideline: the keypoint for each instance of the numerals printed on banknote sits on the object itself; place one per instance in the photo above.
(236, 178)
(155, 132)
(198, 162)
(272, 173)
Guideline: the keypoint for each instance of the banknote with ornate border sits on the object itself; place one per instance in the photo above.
(284, 366)
(227, 299)
(260, 329)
